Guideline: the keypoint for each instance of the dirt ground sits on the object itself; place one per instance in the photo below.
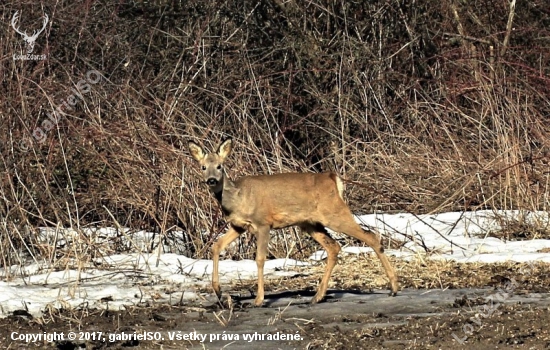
(477, 306)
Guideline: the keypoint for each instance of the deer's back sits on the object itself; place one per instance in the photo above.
(283, 200)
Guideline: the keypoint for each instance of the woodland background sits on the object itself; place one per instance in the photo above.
(427, 106)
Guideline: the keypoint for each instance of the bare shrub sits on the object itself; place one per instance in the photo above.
(428, 106)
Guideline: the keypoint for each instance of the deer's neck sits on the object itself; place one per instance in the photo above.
(227, 195)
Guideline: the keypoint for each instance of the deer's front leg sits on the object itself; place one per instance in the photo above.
(217, 248)
(262, 239)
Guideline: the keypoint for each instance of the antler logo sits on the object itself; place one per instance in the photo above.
(30, 40)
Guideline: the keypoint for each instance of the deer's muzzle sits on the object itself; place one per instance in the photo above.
(211, 182)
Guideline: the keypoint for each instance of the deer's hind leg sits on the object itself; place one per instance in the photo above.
(342, 221)
(320, 234)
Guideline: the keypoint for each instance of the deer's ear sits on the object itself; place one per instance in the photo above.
(225, 148)
(196, 151)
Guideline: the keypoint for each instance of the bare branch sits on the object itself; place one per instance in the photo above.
(508, 28)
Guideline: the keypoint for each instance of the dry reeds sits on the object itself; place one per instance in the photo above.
(433, 107)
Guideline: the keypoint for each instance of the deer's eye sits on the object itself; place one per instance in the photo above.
(203, 167)
(219, 167)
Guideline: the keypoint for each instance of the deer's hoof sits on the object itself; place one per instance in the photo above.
(217, 290)
(317, 299)
(258, 301)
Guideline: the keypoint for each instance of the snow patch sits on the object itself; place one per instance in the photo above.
(116, 281)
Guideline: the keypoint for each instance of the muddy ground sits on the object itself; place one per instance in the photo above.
(500, 308)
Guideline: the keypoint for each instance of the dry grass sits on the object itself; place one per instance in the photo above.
(365, 273)
(427, 107)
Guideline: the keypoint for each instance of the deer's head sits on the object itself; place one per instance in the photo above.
(212, 163)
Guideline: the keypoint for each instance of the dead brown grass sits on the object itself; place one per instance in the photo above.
(364, 273)
(430, 106)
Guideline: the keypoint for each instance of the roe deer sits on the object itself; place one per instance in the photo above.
(260, 203)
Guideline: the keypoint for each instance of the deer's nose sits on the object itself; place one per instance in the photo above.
(211, 182)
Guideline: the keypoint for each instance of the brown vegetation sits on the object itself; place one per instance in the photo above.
(428, 106)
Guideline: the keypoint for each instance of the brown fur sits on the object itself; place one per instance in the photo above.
(260, 203)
